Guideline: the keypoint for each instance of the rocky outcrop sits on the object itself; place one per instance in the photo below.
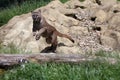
(93, 26)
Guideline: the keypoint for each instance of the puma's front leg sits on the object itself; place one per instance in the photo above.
(42, 30)
(34, 33)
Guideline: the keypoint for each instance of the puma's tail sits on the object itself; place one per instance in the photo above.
(64, 35)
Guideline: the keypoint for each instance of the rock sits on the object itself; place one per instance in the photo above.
(72, 4)
(115, 8)
(111, 38)
(114, 22)
(111, 2)
(101, 16)
(67, 50)
(77, 30)
(108, 41)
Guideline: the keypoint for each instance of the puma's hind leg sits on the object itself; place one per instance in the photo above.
(49, 40)
(54, 42)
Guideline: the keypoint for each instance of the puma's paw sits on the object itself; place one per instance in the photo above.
(34, 34)
(37, 37)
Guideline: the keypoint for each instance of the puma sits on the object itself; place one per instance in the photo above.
(45, 30)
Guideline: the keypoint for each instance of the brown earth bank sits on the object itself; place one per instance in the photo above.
(93, 24)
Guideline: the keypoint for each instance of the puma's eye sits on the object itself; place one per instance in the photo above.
(35, 16)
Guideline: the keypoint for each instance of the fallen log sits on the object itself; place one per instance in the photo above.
(8, 60)
(14, 59)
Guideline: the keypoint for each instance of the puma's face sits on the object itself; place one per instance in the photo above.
(36, 16)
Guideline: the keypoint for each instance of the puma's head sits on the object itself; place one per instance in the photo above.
(36, 15)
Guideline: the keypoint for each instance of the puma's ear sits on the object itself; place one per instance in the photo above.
(31, 11)
(39, 11)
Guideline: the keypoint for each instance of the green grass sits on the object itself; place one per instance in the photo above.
(63, 1)
(94, 70)
(8, 13)
(10, 48)
(113, 54)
